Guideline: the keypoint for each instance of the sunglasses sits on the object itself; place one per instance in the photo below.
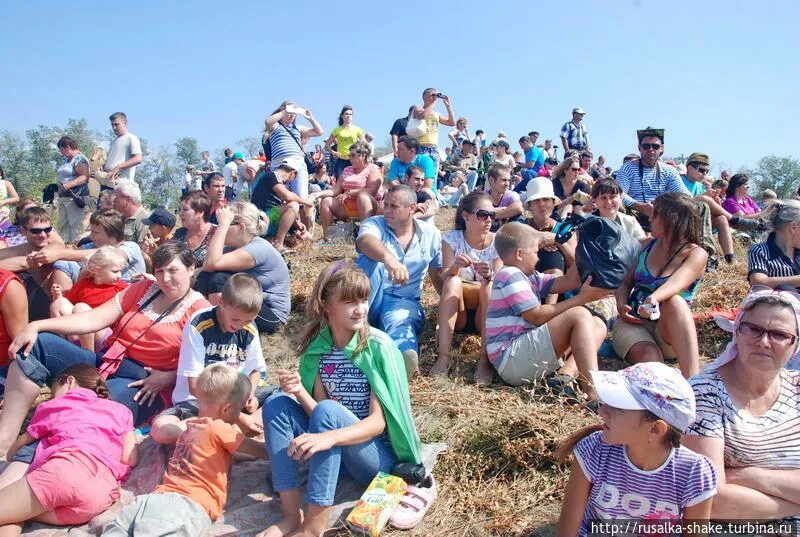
(651, 146)
(40, 230)
(483, 214)
(699, 169)
(575, 169)
(755, 332)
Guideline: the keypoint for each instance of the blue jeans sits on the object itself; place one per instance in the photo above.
(399, 317)
(472, 180)
(285, 419)
(433, 152)
(527, 175)
(52, 354)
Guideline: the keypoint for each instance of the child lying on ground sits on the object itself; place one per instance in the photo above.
(101, 280)
(86, 446)
(525, 337)
(222, 334)
(195, 485)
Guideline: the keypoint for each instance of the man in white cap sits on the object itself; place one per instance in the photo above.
(574, 134)
(271, 195)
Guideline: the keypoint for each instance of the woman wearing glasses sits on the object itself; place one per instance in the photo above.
(774, 262)
(469, 260)
(748, 412)
(566, 186)
(655, 317)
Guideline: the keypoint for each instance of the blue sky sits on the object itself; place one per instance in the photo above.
(719, 76)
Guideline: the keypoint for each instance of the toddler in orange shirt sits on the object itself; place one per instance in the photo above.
(195, 485)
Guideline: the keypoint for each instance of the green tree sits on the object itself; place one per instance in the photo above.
(781, 174)
(87, 139)
(161, 179)
(43, 158)
(186, 152)
(14, 160)
(251, 146)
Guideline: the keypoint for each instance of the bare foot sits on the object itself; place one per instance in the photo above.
(484, 373)
(441, 366)
(284, 528)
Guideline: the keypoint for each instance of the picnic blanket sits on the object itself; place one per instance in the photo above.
(251, 505)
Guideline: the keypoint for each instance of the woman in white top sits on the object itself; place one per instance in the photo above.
(468, 256)
(8, 197)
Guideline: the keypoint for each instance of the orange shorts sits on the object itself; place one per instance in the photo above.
(74, 485)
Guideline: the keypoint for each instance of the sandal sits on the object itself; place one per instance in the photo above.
(414, 504)
(563, 385)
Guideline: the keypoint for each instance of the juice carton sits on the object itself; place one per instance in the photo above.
(373, 509)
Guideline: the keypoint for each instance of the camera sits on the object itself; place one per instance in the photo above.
(564, 229)
(440, 95)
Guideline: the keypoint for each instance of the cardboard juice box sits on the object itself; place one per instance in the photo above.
(373, 509)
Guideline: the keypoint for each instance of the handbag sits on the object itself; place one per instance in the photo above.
(416, 127)
(604, 252)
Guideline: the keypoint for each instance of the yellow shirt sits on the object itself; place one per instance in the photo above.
(432, 136)
(345, 137)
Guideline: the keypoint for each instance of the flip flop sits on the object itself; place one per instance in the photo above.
(413, 506)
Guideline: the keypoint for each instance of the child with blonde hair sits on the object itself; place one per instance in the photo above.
(633, 466)
(100, 282)
(195, 484)
(86, 447)
(348, 408)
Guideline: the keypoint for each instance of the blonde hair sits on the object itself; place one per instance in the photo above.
(512, 236)
(351, 283)
(255, 221)
(104, 257)
(219, 383)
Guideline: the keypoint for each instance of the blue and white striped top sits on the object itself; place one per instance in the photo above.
(285, 143)
(621, 491)
(650, 184)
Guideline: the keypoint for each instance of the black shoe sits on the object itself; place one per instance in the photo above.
(563, 385)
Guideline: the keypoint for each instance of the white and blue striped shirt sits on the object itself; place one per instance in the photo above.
(646, 186)
(285, 143)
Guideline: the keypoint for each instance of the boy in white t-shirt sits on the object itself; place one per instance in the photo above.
(607, 197)
(227, 334)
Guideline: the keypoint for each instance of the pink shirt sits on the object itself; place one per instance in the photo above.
(354, 181)
(747, 206)
(81, 420)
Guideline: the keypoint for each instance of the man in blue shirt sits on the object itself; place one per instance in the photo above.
(396, 251)
(534, 160)
(407, 155)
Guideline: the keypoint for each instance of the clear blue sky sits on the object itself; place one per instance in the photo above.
(719, 76)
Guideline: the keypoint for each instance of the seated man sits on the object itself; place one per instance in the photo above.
(271, 195)
(214, 187)
(160, 227)
(396, 250)
(407, 149)
(38, 276)
(534, 160)
(426, 201)
(697, 167)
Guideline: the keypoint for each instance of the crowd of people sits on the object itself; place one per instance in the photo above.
(137, 316)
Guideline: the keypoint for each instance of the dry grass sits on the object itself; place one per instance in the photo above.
(498, 476)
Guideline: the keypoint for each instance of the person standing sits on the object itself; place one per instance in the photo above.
(345, 135)
(429, 142)
(207, 167)
(285, 139)
(73, 191)
(574, 134)
(399, 129)
(233, 183)
(125, 152)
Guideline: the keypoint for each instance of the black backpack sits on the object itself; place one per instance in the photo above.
(605, 251)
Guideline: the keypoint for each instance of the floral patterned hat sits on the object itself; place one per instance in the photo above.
(651, 386)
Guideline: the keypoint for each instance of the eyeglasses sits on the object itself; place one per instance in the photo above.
(754, 331)
(40, 230)
(651, 146)
(575, 169)
(483, 214)
(699, 169)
